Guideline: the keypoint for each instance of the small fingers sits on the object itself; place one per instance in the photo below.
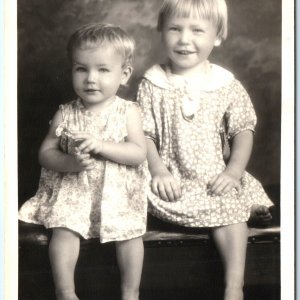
(88, 164)
(176, 190)
(221, 185)
(164, 191)
(212, 182)
(218, 185)
(86, 146)
(79, 135)
(154, 187)
(228, 187)
(85, 160)
(82, 156)
(173, 190)
(165, 188)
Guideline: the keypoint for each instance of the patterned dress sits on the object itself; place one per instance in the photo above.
(184, 119)
(108, 201)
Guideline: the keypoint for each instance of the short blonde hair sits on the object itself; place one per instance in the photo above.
(95, 34)
(212, 10)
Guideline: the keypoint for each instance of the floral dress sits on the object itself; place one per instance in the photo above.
(108, 201)
(184, 119)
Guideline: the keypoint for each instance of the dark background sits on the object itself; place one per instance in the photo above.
(252, 52)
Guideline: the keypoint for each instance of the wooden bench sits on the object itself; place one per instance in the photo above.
(180, 263)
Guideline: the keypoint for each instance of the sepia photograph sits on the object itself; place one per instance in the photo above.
(151, 150)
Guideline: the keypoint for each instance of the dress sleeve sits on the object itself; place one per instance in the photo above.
(240, 114)
(145, 100)
(61, 127)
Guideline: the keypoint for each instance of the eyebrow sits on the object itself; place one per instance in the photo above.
(99, 65)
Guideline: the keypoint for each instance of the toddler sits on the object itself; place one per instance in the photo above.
(92, 180)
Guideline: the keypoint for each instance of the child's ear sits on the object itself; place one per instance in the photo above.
(127, 71)
(218, 42)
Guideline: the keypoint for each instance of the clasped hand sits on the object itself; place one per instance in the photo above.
(223, 183)
(87, 145)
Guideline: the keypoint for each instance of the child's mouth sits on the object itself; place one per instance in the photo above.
(183, 52)
(90, 91)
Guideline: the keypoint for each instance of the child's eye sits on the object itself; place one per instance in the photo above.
(198, 30)
(174, 28)
(80, 69)
(103, 70)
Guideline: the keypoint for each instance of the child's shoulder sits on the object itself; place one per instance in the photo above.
(223, 78)
(219, 77)
(71, 108)
(157, 75)
(71, 104)
(221, 72)
(124, 102)
(124, 105)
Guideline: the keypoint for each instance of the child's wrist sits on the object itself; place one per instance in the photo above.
(100, 147)
(234, 172)
(159, 170)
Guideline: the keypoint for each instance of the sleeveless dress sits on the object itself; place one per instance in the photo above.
(108, 201)
(184, 120)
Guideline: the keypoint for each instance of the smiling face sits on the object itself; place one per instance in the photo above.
(188, 43)
(97, 74)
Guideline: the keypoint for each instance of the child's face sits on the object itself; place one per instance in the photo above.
(188, 43)
(97, 74)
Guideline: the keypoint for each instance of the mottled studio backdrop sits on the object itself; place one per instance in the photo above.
(252, 52)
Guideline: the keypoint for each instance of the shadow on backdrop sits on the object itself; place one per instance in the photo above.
(252, 52)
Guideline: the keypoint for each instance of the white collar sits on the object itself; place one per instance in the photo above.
(161, 77)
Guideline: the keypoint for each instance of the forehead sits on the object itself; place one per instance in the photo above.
(104, 54)
(190, 21)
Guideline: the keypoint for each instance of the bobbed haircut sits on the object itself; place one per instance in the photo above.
(212, 10)
(94, 35)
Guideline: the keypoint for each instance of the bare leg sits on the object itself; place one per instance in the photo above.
(260, 216)
(231, 241)
(130, 255)
(63, 254)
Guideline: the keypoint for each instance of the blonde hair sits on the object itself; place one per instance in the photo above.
(96, 34)
(212, 10)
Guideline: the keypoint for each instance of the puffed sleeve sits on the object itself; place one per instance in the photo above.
(144, 98)
(240, 114)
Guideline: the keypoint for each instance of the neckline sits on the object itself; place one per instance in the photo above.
(206, 74)
(88, 112)
(161, 76)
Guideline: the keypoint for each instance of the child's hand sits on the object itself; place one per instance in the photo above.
(223, 183)
(84, 161)
(88, 143)
(165, 186)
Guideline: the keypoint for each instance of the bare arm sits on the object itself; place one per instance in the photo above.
(239, 157)
(240, 153)
(51, 157)
(131, 152)
(155, 163)
(163, 183)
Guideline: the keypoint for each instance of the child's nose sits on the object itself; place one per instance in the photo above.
(91, 76)
(185, 36)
